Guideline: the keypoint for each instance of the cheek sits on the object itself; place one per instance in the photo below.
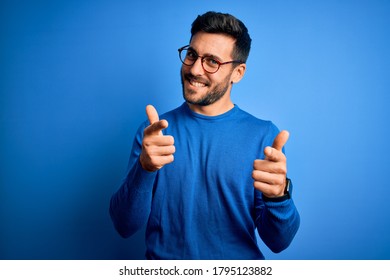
(185, 69)
(222, 80)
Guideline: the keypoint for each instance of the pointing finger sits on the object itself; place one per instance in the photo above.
(280, 140)
(275, 153)
(152, 114)
(156, 128)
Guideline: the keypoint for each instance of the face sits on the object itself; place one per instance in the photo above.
(202, 88)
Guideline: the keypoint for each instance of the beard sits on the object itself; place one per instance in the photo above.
(214, 94)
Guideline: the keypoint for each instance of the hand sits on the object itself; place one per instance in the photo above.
(157, 149)
(270, 174)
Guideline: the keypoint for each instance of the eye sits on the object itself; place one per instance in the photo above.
(191, 55)
(211, 61)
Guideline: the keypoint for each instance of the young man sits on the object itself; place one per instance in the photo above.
(207, 175)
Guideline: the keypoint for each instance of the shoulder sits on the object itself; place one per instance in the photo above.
(260, 130)
(246, 118)
(174, 113)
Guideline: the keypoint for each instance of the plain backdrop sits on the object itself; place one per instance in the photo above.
(75, 78)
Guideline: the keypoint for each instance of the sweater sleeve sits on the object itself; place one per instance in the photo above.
(277, 223)
(130, 205)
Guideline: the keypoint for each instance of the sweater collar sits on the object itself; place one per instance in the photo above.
(227, 114)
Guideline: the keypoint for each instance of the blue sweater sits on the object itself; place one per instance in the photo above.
(204, 205)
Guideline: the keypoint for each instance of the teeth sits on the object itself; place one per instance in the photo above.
(197, 84)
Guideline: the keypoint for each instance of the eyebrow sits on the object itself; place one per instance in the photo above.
(207, 54)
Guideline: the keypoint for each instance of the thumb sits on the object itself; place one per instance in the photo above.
(280, 140)
(152, 114)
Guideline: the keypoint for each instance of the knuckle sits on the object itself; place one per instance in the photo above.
(171, 139)
(147, 141)
(257, 164)
(153, 160)
(273, 192)
(279, 181)
(281, 169)
(254, 174)
(145, 145)
(257, 185)
(257, 175)
(147, 148)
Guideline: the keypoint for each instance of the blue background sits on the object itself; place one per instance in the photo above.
(75, 79)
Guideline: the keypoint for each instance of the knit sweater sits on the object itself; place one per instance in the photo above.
(203, 205)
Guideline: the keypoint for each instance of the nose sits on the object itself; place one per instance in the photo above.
(197, 69)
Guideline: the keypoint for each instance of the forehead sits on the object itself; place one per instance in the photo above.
(220, 45)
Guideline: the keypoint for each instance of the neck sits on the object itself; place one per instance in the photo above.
(215, 109)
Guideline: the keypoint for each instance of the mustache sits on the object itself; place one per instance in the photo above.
(190, 77)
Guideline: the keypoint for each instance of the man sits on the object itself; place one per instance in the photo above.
(207, 175)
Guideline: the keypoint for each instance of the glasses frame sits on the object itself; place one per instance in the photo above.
(202, 58)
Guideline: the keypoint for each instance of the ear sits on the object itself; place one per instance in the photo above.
(238, 73)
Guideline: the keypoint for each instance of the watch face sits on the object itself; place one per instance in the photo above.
(287, 189)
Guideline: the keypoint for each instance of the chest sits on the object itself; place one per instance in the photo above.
(216, 159)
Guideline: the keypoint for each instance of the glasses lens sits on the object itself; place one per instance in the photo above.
(210, 64)
(188, 57)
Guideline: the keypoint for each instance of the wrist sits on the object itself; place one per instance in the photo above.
(144, 165)
(286, 194)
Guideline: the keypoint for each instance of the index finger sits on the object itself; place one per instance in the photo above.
(156, 128)
(281, 140)
(152, 114)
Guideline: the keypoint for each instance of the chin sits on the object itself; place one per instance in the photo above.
(194, 94)
(191, 99)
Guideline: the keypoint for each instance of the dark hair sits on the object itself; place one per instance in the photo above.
(219, 23)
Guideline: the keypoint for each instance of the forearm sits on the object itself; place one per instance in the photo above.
(130, 205)
(278, 223)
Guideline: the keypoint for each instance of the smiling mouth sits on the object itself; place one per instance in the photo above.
(196, 82)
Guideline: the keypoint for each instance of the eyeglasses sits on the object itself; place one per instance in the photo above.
(209, 63)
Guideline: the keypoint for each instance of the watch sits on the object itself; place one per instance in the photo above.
(287, 188)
